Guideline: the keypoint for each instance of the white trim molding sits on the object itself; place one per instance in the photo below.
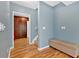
(35, 39)
(43, 48)
(9, 52)
(28, 25)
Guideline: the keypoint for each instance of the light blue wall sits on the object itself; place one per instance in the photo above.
(5, 35)
(69, 17)
(51, 18)
(6, 19)
(55, 22)
(32, 12)
(45, 19)
(58, 16)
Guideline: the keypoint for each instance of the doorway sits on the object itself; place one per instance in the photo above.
(20, 31)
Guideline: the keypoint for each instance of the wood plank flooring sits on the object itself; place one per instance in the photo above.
(21, 42)
(31, 51)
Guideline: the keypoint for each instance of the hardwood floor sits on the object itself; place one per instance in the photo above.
(24, 50)
(21, 42)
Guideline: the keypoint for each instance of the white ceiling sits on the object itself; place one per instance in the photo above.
(30, 4)
(53, 3)
(67, 3)
(34, 4)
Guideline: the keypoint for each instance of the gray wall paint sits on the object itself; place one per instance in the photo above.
(55, 22)
(32, 12)
(5, 35)
(45, 19)
(6, 18)
(57, 16)
(69, 17)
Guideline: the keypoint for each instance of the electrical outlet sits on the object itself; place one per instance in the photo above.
(2, 26)
(63, 27)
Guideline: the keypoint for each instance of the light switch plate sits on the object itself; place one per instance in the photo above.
(44, 27)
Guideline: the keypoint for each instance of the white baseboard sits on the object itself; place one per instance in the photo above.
(9, 52)
(33, 41)
(29, 41)
(43, 47)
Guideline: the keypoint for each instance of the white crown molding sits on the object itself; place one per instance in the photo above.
(34, 4)
(52, 3)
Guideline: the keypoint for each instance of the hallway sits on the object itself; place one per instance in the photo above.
(41, 22)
